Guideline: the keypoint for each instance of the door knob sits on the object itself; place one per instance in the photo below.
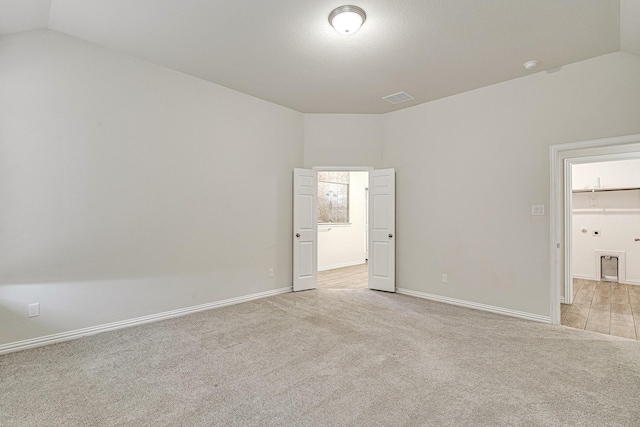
(390, 235)
(297, 234)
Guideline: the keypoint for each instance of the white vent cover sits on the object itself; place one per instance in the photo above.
(397, 98)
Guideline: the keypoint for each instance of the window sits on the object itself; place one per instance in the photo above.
(333, 197)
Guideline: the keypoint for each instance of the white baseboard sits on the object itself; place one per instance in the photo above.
(79, 333)
(477, 306)
(348, 264)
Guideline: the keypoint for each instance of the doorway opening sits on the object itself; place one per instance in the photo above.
(566, 231)
(380, 213)
(342, 229)
(602, 207)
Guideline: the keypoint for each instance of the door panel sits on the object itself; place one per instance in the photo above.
(306, 259)
(382, 230)
(380, 212)
(305, 230)
(304, 217)
(381, 254)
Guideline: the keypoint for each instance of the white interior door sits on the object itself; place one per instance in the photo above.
(382, 228)
(305, 230)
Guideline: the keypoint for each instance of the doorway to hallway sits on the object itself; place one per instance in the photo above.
(342, 229)
(379, 216)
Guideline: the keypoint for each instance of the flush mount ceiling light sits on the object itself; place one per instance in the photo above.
(530, 65)
(347, 19)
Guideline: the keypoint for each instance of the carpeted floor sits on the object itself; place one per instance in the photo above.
(328, 358)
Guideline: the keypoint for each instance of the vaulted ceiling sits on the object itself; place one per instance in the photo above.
(286, 52)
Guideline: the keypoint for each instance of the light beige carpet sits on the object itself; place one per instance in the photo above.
(328, 358)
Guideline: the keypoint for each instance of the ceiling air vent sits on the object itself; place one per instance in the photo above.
(397, 98)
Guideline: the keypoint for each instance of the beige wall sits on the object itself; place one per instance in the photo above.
(129, 189)
(630, 26)
(342, 140)
(470, 166)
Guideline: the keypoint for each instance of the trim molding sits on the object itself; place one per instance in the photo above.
(92, 330)
(476, 306)
(348, 264)
(343, 168)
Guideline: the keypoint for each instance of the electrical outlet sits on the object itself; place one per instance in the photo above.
(445, 278)
(270, 272)
(34, 309)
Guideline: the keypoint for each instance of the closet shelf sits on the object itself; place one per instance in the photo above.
(600, 190)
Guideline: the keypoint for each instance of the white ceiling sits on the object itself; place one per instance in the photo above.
(286, 52)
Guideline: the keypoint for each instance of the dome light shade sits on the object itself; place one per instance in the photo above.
(347, 19)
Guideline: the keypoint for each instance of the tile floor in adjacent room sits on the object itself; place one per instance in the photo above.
(354, 277)
(608, 308)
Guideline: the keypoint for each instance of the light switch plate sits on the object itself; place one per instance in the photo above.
(537, 210)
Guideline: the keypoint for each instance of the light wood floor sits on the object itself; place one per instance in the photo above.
(608, 308)
(354, 277)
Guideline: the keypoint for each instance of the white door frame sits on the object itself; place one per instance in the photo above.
(562, 157)
(343, 168)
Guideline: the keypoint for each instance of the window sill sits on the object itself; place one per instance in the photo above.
(333, 224)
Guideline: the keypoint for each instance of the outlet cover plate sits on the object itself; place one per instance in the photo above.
(34, 309)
